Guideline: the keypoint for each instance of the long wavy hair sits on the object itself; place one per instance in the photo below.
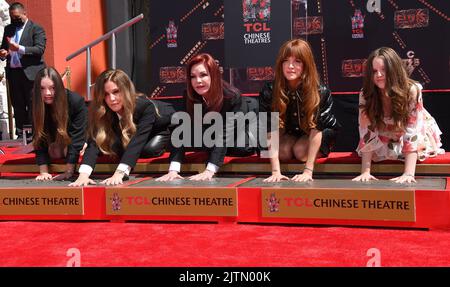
(57, 112)
(309, 85)
(398, 85)
(215, 93)
(101, 116)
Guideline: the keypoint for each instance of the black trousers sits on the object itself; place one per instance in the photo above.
(156, 145)
(20, 89)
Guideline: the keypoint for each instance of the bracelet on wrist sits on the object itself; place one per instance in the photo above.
(408, 174)
(307, 168)
(123, 174)
(118, 171)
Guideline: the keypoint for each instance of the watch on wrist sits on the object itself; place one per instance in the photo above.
(120, 172)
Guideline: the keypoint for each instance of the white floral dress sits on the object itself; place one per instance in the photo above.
(422, 135)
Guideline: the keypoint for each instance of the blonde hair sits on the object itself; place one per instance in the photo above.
(101, 116)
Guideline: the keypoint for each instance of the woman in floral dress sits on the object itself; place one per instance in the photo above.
(393, 123)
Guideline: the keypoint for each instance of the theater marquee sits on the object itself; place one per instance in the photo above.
(392, 205)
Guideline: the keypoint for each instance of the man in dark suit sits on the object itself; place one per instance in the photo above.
(23, 46)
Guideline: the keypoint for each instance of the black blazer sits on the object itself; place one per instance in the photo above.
(76, 128)
(149, 122)
(34, 40)
(325, 119)
(232, 102)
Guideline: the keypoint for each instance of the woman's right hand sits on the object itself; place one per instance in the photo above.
(83, 180)
(45, 176)
(366, 176)
(170, 176)
(276, 177)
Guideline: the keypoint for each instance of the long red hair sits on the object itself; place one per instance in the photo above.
(310, 82)
(215, 93)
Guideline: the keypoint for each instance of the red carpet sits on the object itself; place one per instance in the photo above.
(192, 245)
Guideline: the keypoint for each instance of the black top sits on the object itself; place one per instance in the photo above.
(232, 102)
(148, 124)
(34, 40)
(76, 128)
(325, 119)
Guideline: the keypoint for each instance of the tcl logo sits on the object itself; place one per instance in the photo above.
(298, 201)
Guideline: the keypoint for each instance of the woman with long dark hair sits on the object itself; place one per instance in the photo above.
(393, 123)
(59, 124)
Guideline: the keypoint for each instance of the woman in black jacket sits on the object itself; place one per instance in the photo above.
(123, 124)
(307, 128)
(59, 124)
(207, 91)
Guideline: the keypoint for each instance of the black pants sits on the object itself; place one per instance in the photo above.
(20, 89)
(156, 145)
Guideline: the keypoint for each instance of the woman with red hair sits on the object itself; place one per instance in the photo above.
(207, 89)
(307, 127)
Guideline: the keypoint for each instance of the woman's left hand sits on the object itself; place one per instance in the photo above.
(116, 179)
(303, 177)
(404, 178)
(63, 176)
(204, 176)
(44, 176)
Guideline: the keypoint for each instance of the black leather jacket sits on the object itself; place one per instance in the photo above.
(294, 115)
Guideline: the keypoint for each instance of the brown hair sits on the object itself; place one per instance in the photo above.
(309, 84)
(215, 93)
(398, 85)
(101, 116)
(58, 110)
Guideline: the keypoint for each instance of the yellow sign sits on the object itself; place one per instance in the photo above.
(171, 201)
(51, 201)
(392, 205)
